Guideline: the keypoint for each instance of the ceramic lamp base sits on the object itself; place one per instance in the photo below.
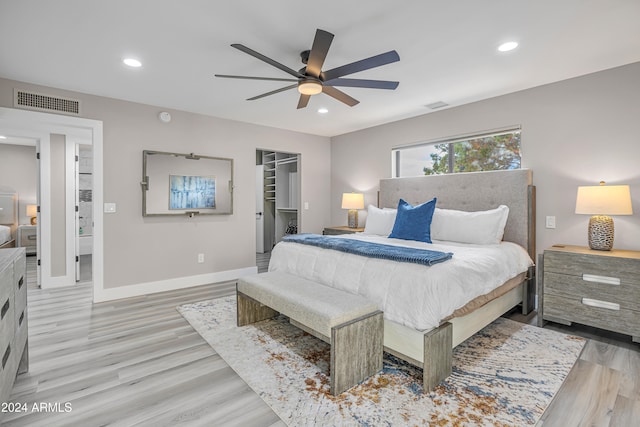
(601, 233)
(352, 218)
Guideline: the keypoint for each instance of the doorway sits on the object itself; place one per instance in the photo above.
(54, 135)
(277, 200)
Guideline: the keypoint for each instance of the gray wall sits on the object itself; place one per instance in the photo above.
(140, 250)
(574, 132)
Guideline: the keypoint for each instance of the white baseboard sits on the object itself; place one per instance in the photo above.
(110, 294)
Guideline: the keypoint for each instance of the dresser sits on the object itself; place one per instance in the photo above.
(13, 319)
(595, 288)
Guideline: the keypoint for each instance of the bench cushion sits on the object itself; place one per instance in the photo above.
(316, 306)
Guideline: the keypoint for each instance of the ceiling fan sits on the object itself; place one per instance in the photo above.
(311, 80)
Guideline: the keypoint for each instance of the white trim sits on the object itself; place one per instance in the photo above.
(44, 216)
(460, 137)
(147, 288)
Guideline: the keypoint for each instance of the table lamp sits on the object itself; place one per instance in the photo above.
(32, 212)
(601, 201)
(353, 202)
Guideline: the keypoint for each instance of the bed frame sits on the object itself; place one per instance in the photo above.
(473, 191)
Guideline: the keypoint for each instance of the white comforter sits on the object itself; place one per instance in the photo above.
(5, 234)
(410, 294)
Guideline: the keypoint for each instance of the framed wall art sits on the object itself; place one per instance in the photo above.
(186, 184)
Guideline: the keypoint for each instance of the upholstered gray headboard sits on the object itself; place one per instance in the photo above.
(8, 208)
(474, 191)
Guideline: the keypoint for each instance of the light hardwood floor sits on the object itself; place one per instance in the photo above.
(603, 388)
(128, 362)
(138, 362)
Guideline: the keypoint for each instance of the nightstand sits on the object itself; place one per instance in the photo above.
(27, 238)
(595, 288)
(341, 229)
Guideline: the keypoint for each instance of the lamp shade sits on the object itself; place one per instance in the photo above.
(604, 200)
(32, 210)
(352, 201)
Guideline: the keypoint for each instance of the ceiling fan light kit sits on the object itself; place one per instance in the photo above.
(309, 87)
(311, 80)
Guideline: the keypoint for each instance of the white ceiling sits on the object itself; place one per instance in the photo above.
(447, 51)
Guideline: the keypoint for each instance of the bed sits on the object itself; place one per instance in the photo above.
(426, 342)
(8, 219)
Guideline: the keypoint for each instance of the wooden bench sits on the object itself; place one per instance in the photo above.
(351, 324)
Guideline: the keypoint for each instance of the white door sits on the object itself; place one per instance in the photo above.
(259, 209)
(77, 208)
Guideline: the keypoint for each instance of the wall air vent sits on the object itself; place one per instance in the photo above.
(46, 103)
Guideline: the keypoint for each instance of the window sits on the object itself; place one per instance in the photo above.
(490, 151)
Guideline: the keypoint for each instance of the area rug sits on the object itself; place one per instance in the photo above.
(505, 375)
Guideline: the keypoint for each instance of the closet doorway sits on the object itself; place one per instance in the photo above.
(277, 197)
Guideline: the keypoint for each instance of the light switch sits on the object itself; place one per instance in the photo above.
(109, 208)
(306, 205)
(550, 222)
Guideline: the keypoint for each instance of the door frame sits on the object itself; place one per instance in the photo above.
(39, 126)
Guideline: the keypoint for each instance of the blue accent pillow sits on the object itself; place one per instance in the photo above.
(414, 222)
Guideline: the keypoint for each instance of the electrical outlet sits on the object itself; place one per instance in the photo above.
(550, 222)
(200, 258)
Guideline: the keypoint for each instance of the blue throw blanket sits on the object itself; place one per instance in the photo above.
(371, 250)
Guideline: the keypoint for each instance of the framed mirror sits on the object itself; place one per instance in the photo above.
(186, 184)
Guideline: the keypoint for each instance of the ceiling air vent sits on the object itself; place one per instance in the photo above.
(46, 103)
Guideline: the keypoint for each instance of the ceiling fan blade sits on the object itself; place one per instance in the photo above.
(303, 101)
(370, 84)
(339, 95)
(273, 92)
(363, 64)
(275, 79)
(267, 60)
(319, 50)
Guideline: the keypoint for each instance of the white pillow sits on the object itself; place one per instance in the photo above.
(480, 227)
(379, 221)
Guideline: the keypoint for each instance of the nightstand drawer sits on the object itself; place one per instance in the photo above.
(586, 311)
(624, 294)
(626, 270)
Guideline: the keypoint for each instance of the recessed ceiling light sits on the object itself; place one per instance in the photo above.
(323, 110)
(506, 47)
(131, 62)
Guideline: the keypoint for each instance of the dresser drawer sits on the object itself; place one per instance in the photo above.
(626, 270)
(6, 279)
(578, 310)
(20, 267)
(625, 294)
(20, 297)
(8, 372)
(21, 333)
(7, 321)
